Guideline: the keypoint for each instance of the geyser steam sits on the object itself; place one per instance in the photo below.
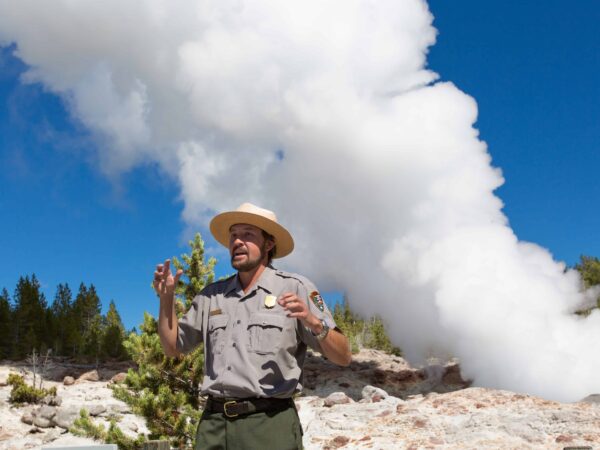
(325, 112)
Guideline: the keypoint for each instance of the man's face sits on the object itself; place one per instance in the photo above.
(247, 247)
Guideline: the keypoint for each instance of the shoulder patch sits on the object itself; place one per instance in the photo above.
(317, 300)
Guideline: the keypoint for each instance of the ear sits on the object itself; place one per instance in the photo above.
(270, 244)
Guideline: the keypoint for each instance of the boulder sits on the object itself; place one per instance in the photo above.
(4, 436)
(47, 412)
(372, 394)
(96, 410)
(65, 416)
(51, 436)
(92, 375)
(27, 418)
(42, 422)
(52, 400)
(337, 398)
(119, 378)
(68, 381)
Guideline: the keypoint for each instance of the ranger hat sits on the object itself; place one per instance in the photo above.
(259, 217)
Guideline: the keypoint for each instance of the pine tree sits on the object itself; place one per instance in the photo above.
(92, 339)
(86, 308)
(351, 325)
(29, 317)
(378, 338)
(114, 334)
(165, 390)
(361, 333)
(197, 272)
(6, 325)
(589, 269)
(65, 330)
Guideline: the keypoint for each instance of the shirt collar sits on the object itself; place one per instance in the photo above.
(267, 279)
(266, 282)
(233, 285)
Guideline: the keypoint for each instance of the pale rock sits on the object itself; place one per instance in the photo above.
(133, 425)
(42, 422)
(47, 412)
(119, 378)
(96, 410)
(119, 408)
(65, 416)
(51, 436)
(92, 375)
(27, 418)
(4, 436)
(68, 381)
(373, 394)
(52, 400)
(337, 398)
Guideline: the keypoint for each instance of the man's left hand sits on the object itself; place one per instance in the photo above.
(297, 308)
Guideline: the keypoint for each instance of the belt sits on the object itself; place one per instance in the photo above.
(243, 406)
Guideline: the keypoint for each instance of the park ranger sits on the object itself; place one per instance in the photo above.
(256, 326)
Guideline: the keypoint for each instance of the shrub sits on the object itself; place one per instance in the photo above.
(22, 393)
(83, 426)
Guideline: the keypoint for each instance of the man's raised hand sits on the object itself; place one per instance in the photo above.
(164, 282)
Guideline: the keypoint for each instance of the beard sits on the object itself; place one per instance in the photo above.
(250, 263)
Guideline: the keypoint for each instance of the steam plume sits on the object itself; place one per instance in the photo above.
(325, 112)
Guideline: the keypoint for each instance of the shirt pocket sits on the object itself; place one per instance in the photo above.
(216, 332)
(265, 333)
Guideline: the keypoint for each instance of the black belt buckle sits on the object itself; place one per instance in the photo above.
(225, 405)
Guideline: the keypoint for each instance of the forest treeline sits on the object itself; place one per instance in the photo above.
(71, 326)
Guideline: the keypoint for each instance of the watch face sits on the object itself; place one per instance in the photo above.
(323, 333)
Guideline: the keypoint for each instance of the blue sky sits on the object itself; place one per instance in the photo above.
(533, 72)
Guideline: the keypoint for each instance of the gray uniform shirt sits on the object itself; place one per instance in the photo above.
(252, 350)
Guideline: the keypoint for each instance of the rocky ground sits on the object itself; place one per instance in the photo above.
(379, 402)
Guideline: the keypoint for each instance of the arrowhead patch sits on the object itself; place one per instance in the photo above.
(317, 300)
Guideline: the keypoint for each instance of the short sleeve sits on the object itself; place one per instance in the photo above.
(189, 328)
(316, 305)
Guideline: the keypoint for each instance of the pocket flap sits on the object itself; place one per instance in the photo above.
(267, 320)
(219, 321)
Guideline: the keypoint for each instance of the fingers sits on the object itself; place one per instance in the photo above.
(293, 304)
(177, 276)
(286, 298)
(162, 274)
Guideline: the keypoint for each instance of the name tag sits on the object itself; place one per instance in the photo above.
(215, 312)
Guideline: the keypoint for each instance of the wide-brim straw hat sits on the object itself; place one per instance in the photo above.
(251, 214)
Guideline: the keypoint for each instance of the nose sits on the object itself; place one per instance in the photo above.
(235, 241)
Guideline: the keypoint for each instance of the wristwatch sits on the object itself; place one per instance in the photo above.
(323, 332)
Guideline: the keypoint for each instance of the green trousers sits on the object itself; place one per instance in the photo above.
(279, 430)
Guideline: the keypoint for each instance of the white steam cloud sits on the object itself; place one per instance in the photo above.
(324, 111)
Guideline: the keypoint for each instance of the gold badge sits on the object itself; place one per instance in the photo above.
(270, 301)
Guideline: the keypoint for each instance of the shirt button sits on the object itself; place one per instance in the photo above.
(239, 321)
(234, 345)
(228, 367)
